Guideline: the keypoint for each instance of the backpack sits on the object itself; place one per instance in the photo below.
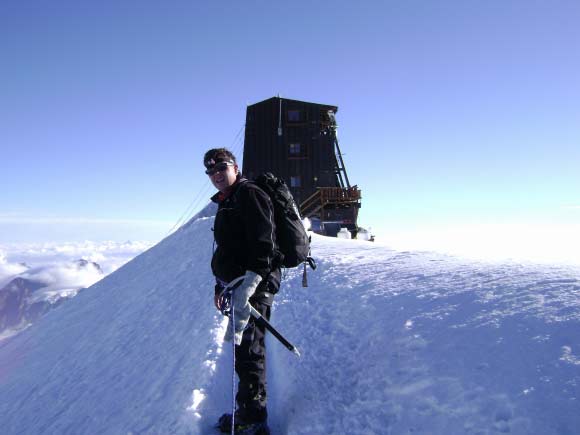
(293, 241)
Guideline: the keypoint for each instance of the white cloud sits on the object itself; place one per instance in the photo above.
(54, 263)
(63, 279)
(8, 270)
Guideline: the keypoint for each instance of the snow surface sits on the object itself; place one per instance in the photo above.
(392, 343)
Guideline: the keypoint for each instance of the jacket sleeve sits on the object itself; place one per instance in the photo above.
(260, 231)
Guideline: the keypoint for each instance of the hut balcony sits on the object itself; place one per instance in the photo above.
(330, 197)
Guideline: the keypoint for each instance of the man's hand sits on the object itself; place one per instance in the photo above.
(241, 306)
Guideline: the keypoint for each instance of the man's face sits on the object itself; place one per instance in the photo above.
(223, 176)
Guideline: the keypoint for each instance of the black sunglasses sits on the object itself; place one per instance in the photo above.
(218, 167)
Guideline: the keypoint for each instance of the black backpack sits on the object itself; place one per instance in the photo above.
(293, 241)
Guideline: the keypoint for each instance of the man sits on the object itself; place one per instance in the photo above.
(245, 237)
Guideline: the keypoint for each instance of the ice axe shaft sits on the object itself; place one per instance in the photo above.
(261, 321)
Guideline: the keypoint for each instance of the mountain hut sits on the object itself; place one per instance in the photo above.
(297, 141)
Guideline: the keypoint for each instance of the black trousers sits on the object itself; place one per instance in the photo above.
(251, 369)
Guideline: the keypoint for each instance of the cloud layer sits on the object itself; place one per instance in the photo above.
(19, 229)
(63, 279)
(55, 264)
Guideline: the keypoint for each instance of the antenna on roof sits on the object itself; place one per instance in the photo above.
(280, 117)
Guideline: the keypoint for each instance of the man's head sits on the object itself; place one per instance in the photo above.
(221, 167)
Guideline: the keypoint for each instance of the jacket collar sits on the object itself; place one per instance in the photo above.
(222, 196)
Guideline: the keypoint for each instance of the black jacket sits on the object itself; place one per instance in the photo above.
(245, 236)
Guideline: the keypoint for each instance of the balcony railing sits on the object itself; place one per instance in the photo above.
(329, 195)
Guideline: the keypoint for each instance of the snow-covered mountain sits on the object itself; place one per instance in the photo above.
(392, 343)
(14, 305)
(35, 291)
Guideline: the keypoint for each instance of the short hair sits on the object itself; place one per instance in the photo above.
(218, 154)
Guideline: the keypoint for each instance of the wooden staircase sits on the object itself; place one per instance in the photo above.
(326, 197)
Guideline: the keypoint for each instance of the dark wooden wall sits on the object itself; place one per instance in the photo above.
(301, 123)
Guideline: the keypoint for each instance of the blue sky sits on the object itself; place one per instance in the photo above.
(451, 112)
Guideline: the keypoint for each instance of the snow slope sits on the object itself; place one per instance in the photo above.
(392, 343)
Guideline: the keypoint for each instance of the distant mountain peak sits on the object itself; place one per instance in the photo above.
(83, 264)
(30, 295)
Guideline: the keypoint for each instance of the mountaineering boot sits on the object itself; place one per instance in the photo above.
(253, 429)
(224, 424)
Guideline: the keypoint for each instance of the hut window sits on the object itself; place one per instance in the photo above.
(295, 149)
(294, 116)
(295, 181)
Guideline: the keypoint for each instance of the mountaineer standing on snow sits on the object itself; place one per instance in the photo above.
(245, 244)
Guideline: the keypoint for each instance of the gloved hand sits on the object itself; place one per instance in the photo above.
(241, 306)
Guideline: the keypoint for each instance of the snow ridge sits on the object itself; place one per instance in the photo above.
(392, 343)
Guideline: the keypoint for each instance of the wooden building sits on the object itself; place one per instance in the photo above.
(297, 141)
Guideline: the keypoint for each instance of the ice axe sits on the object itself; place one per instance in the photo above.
(226, 294)
(263, 322)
